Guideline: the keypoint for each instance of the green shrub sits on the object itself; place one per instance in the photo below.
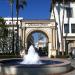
(5, 55)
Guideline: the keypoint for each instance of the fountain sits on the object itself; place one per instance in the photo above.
(28, 59)
(32, 64)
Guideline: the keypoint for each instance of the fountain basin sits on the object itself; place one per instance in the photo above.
(51, 66)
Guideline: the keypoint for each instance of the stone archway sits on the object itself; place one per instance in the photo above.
(40, 45)
(46, 26)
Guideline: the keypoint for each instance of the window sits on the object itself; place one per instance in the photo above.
(69, 12)
(73, 28)
(66, 28)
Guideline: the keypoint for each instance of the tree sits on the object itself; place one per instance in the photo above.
(3, 33)
(11, 5)
(3, 27)
(2, 21)
(59, 2)
(19, 4)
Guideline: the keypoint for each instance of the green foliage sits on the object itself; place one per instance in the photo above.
(45, 51)
(62, 56)
(53, 2)
(60, 1)
(11, 1)
(20, 4)
(3, 29)
(3, 32)
(2, 22)
(8, 55)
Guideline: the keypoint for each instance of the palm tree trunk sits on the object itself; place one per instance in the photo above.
(13, 28)
(62, 30)
(11, 5)
(55, 25)
(59, 27)
(17, 38)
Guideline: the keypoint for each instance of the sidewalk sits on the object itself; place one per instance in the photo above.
(73, 64)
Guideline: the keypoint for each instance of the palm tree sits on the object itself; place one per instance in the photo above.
(52, 8)
(19, 4)
(60, 24)
(11, 5)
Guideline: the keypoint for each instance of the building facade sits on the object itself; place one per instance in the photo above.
(26, 28)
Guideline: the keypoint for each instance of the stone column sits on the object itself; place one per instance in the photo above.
(23, 37)
(53, 42)
(49, 49)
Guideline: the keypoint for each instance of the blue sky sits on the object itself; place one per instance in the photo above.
(35, 9)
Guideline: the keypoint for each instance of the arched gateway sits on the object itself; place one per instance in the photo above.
(45, 26)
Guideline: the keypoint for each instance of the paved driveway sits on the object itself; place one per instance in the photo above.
(73, 64)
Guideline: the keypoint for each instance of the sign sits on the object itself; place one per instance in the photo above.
(36, 25)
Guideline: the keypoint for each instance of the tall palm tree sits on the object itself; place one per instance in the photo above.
(62, 29)
(11, 5)
(19, 4)
(52, 10)
(61, 24)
